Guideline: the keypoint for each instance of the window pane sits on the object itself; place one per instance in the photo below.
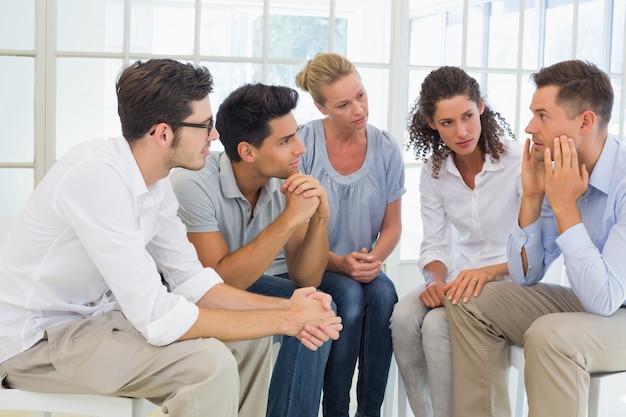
(285, 75)
(454, 40)
(478, 34)
(616, 125)
(592, 42)
(227, 76)
(17, 109)
(530, 48)
(501, 95)
(376, 83)
(617, 36)
(298, 30)
(411, 218)
(17, 24)
(360, 16)
(94, 26)
(436, 32)
(526, 95)
(16, 184)
(503, 33)
(86, 105)
(425, 27)
(228, 30)
(162, 27)
(559, 26)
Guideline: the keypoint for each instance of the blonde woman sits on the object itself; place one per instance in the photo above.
(362, 170)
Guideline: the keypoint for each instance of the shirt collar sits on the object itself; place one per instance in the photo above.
(602, 174)
(229, 183)
(137, 183)
(488, 165)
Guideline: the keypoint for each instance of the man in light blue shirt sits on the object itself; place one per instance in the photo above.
(573, 204)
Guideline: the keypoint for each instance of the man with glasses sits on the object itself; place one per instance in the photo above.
(83, 309)
(262, 225)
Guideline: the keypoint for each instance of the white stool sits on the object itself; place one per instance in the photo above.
(90, 405)
(607, 392)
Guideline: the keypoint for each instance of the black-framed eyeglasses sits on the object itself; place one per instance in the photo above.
(207, 126)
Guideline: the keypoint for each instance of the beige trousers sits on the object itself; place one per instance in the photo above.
(563, 345)
(107, 355)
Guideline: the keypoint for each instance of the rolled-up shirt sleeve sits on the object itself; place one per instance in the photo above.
(131, 237)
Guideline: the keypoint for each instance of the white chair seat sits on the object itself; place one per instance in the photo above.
(607, 392)
(90, 405)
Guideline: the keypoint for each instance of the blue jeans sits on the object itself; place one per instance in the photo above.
(365, 310)
(298, 375)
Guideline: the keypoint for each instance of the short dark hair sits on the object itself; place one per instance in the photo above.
(245, 114)
(156, 91)
(582, 86)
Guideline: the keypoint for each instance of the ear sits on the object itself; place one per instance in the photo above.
(588, 121)
(158, 133)
(246, 151)
(321, 108)
(481, 107)
(431, 124)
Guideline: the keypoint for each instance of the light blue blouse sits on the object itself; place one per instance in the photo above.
(357, 201)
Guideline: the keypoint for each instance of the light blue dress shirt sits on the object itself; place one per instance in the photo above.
(594, 251)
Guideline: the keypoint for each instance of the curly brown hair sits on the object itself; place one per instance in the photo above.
(441, 84)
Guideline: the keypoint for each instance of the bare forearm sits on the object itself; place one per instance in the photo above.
(387, 241)
(242, 267)
(435, 271)
(530, 210)
(310, 262)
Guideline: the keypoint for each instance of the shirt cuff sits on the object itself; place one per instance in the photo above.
(172, 325)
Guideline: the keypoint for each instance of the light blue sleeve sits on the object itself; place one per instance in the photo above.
(539, 240)
(597, 277)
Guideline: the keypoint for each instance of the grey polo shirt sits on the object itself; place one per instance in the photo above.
(210, 201)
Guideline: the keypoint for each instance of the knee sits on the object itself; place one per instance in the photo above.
(217, 362)
(435, 326)
(384, 290)
(407, 315)
(547, 333)
(349, 299)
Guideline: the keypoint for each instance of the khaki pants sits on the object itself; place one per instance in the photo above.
(107, 355)
(563, 345)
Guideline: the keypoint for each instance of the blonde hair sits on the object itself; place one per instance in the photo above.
(324, 69)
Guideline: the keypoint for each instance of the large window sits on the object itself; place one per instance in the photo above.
(500, 43)
(60, 59)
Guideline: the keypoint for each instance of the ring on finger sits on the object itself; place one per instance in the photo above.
(474, 279)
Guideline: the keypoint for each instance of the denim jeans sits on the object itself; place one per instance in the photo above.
(365, 310)
(298, 375)
(421, 344)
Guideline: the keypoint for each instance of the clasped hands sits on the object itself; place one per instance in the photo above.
(312, 318)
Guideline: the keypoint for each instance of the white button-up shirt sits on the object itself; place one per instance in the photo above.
(481, 217)
(92, 238)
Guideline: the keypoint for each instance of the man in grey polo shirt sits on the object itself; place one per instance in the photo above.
(261, 224)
